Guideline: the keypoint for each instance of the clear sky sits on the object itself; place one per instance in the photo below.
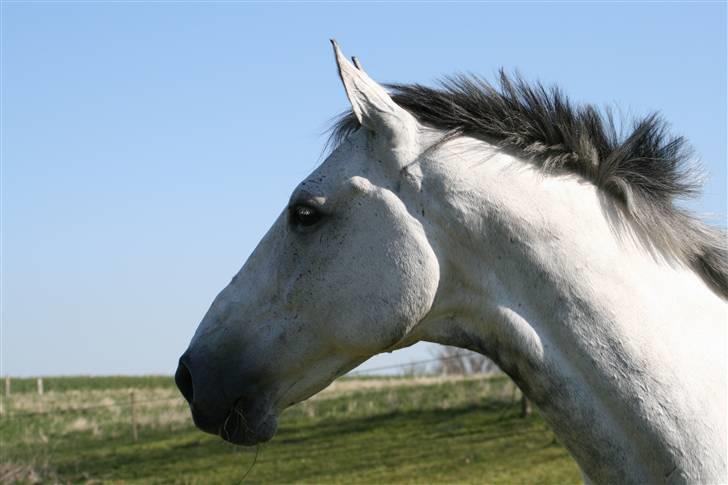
(147, 147)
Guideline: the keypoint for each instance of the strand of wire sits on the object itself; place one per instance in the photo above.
(128, 404)
(89, 408)
(407, 365)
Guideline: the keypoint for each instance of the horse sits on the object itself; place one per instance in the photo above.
(504, 219)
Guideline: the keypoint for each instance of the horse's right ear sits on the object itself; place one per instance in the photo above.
(376, 110)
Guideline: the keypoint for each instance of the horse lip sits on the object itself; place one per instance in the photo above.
(245, 428)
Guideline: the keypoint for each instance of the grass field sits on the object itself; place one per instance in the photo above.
(357, 431)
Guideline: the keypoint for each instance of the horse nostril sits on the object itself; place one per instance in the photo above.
(183, 379)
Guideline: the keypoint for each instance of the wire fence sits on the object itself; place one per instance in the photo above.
(408, 365)
(84, 409)
(39, 440)
(132, 403)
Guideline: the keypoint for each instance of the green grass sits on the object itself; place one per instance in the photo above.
(451, 431)
(67, 383)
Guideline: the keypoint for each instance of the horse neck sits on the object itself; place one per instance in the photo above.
(622, 349)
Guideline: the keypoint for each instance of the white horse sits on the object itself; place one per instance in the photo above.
(505, 221)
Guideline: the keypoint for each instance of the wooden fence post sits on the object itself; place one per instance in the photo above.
(40, 386)
(132, 398)
(525, 406)
(6, 397)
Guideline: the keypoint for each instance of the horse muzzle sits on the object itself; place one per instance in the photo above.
(246, 420)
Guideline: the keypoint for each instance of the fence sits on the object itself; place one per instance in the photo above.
(55, 436)
(133, 403)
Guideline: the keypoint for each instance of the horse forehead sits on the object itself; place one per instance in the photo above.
(352, 158)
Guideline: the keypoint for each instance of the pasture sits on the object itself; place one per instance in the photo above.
(365, 430)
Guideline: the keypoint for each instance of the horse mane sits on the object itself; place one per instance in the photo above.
(645, 170)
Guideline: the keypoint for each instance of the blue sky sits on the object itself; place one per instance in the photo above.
(147, 147)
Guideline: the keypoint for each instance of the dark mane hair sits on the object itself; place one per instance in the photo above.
(645, 170)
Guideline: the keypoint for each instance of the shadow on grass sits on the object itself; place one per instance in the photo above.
(323, 449)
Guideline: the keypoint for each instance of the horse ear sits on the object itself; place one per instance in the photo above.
(374, 108)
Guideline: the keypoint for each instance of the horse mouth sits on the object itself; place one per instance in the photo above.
(248, 424)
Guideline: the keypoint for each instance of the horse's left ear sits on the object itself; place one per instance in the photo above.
(376, 110)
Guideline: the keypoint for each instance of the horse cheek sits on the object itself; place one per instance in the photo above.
(393, 279)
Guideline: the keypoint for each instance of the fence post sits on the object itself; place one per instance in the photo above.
(132, 398)
(7, 386)
(525, 406)
(40, 386)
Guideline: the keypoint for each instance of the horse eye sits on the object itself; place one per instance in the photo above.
(304, 215)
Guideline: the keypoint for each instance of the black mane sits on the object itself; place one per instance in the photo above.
(645, 170)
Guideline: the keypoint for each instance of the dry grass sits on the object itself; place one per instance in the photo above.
(85, 436)
(106, 413)
(343, 387)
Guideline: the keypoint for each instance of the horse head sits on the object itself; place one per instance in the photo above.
(344, 273)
